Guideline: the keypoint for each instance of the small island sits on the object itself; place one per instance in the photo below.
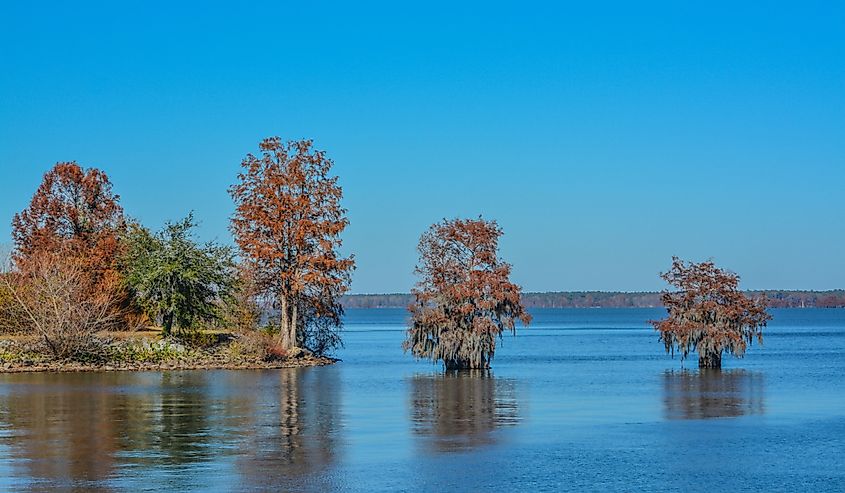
(88, 287)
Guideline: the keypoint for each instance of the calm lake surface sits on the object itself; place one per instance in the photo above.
(584, 400)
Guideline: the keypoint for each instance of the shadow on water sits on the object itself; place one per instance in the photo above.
(460, 411)
(85, 431)
(706, 394)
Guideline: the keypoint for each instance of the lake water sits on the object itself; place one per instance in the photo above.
(584, 400)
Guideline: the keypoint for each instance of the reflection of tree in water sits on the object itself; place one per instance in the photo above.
(295, 435)
(77, 431)
(182, 418)
(74, 428)
(61, 426)
(166, 418)
(461, 410)
(713, 393)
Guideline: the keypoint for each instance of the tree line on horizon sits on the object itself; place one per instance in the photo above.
(81, 266)
(612, 299)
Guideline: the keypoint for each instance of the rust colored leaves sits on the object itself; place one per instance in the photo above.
(66, 285)
(464, 298)
(287, 223)
(75, 211)
(708, 313)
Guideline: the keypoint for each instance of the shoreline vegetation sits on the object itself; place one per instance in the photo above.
(613, 299)
(149, 350)
(85, 281)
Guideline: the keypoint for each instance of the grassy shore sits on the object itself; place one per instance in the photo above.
(147, 350)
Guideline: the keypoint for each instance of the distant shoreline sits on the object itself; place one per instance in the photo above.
(613, 299)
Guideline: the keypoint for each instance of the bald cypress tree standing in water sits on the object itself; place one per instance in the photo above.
(708, 314)
(464, 299)
(287, 223)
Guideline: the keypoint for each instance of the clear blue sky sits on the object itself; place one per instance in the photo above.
(604, 137)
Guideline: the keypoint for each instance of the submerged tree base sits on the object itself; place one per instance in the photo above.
(455, 365)
(710, 360)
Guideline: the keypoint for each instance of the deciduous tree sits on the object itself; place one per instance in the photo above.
(287, 223)
(464, 299)
(708, 314)
(56, 299)
(73, 210)
(74, 219)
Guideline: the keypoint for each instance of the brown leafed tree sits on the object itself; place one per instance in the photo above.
(464, 299)
(287, 223)
(74, 210)
(708, 314)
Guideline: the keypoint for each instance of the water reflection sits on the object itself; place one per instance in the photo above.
(52, 432)
(295, 431)
(707, 394)
(459, 411)
(102, 431)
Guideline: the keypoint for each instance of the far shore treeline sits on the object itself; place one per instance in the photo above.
(613, 299)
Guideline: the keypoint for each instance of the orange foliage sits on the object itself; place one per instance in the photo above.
(287, 223)
(709, 314)
(464, 298)
(73, 210)
(74, 220)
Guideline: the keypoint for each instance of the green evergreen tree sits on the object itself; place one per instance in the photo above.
(175, 280)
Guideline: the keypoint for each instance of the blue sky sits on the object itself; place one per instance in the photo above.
(604, 137)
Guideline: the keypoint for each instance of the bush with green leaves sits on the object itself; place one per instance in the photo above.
(175, 280)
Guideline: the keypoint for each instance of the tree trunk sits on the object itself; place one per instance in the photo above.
(455, 364)
(167, 324)
(284, 330)
(293, 326)
(51, 345)
(710, 360)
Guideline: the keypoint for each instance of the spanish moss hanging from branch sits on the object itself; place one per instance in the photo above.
(464, 299)
(709, 314)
